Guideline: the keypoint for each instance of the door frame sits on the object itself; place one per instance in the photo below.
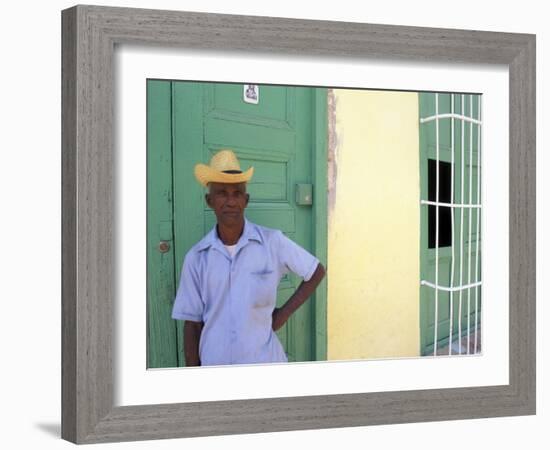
(320, 216)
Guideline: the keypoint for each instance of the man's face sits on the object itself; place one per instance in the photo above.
(228, 200)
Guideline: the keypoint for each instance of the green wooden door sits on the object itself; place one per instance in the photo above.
(162, 349)
(458, 228)
(279, 137)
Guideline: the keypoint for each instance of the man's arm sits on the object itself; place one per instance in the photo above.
(191, 338)
(306, 288)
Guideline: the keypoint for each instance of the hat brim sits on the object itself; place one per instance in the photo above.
(205, 174)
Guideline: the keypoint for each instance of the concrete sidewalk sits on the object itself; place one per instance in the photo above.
(463, 348)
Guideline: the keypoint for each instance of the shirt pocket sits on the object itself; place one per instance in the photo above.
(263, 288)
(262, 273)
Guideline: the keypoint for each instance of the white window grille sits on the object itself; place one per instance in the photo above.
(461, 288)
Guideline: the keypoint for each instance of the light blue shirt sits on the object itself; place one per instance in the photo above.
(235, 296)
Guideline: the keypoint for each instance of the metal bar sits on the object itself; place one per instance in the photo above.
(449, 205)
(451, 304)
(461, 223)
(450, 289)
(470, 224)
(436, 219)
(452, 116)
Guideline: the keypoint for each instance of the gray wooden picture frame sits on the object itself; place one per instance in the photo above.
(89, 35)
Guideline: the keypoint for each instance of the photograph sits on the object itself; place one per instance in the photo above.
(250, 250)
(275, 225)
(304, 223)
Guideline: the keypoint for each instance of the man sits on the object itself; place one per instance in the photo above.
(228, 287)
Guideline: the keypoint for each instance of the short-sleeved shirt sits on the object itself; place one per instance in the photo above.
(235, 296)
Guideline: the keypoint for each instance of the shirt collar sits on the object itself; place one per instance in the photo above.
(250, 232)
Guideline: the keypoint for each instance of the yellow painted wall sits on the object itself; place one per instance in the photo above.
(374, 226)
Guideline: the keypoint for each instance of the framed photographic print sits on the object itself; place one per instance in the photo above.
(388, 172)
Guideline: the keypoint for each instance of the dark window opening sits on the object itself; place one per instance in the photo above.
(445, 231)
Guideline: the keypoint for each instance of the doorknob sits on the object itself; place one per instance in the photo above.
(164, 246)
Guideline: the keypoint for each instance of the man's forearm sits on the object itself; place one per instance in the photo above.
(299, 297)
(191, 338)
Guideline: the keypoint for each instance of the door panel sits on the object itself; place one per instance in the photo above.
(275, 108)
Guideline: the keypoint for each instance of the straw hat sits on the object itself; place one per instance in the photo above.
(224, 168)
